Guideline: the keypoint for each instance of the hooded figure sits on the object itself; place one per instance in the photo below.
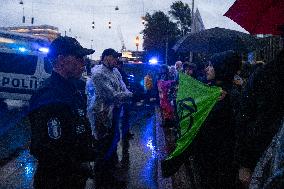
(226, 65)
(212, 149)
(261, 111)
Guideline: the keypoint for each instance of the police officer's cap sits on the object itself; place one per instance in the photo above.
(67, 46)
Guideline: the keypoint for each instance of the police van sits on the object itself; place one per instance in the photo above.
(21, 73)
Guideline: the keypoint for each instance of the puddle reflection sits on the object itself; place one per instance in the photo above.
(148, 172)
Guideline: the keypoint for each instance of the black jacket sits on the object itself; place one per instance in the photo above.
(260, 113)
(213, 148)
(60, 129)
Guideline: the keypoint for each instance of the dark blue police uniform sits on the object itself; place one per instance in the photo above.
(61, 135)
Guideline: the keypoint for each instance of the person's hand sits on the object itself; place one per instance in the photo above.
(245, 175)
(223, 95)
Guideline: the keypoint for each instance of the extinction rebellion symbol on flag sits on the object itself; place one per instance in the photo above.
(186, 107)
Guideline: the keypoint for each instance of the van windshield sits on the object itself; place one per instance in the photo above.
(18, 63)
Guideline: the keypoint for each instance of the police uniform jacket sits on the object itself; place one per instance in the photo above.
(60, 129)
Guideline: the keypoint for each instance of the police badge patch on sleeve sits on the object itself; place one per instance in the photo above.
(54, 128)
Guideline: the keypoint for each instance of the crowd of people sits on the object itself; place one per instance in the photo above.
(239, 128)
(74, 123)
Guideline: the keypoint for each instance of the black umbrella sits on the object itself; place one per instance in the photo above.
(217, 40)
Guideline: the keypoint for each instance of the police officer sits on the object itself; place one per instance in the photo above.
(111, 93)
(61, 136)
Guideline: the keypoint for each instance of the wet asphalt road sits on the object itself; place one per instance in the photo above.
(138, 157)
(142, 150)
(14, 132)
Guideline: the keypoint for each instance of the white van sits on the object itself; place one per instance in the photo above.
(21, 73)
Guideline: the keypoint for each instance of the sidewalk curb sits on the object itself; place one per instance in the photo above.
(163, 183)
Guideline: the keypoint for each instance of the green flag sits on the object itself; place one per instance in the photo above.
(194, 101)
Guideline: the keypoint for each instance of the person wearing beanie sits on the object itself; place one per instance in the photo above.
(225, 66)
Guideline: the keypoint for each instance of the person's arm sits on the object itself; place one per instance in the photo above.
(105, 90)
(122, 83)
(124, 94)
(91, 98)
(90, 92)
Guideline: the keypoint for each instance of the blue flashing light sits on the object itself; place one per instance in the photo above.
(142, 82)
(43, 49)
(22, 49)
(153, 61)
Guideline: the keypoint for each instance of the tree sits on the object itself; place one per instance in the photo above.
(181, 12)
(159, 34)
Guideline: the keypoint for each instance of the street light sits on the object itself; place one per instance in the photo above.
(137, 41)
(23, 18)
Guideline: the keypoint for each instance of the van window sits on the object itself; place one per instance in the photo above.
(47, 66)
(18, 63)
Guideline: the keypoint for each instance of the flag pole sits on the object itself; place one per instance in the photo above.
(192, 16)
(192, 25)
